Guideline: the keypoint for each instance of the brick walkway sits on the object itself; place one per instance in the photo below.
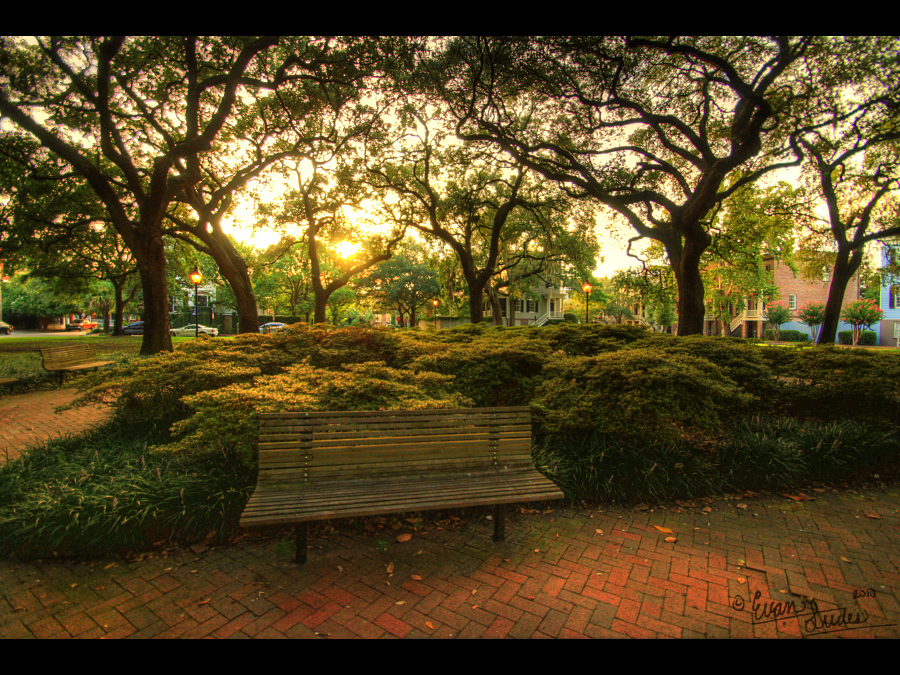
(26, 419)
(778, 568)
(741, 567)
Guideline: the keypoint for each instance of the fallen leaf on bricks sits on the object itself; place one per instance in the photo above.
(742, 580)
(706, 509)
(390, 568)
(204, 602)
(404, 537)
(671, 540)
(846, 559)
(428, 623)
(400, 602)
(474, 591)
(599, 531)
(742, 506)
(873, 515)
(663, 529)
(529, 597)
(416, 577)
(796, 499)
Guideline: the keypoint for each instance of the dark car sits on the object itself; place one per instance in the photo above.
(136, 328)
(5, 328)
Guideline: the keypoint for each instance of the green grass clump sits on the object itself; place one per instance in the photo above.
(105, 493)
(602, 467)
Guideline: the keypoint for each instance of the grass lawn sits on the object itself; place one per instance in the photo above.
(20, 357)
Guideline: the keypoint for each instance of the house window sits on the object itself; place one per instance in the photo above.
(530, 305)
(202, 301)
(894, 297)
(792, 301)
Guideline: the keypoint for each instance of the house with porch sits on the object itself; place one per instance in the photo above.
(540, 304)
(794, 290)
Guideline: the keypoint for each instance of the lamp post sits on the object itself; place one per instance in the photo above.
(196, 278)
(587, 288)
(435, 302)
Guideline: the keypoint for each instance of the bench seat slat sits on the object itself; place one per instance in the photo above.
(321, 505)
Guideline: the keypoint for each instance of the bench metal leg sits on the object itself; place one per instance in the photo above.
(302, 534)
(500, 522)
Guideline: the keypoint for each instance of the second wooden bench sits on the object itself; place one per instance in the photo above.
(70, 358)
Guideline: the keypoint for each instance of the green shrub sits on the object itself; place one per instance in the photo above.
(227, 417)
(828, 383)
(739, 360)
(869, 337)
(500, 369)
(635, 394)
(104, 494)
(599, 466)
(772, 454)
(786, 335)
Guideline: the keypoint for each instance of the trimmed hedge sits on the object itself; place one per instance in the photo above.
(786, 335)
(868, 338)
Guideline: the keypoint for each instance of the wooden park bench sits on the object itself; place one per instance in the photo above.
(322, 465)
(70, 358)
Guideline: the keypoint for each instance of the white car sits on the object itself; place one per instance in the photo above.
(192, 329)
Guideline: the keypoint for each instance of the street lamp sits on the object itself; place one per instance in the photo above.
(196, 278)
(435, 302)
(587, 288)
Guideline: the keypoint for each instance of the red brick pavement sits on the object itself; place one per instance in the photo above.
(26, 419)
(828, 567)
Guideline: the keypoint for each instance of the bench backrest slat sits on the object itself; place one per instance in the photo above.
(60, 357)
(362, 445)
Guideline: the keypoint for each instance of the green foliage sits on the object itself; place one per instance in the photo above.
(635, 393)
(501, 369)
(597, 466)
(104, 494)
(866, 338)
(771, 454)
(786, 335)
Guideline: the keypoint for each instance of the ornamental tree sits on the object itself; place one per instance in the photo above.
(777, 315)
(861, 315)
(812, 314)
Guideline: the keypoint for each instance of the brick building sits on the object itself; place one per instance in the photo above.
(794, 291)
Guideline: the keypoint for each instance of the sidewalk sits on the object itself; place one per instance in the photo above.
(741, 567)
(26, 419)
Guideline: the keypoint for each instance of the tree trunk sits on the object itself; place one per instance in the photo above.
(151, 263)
(845, 266)
(234, 270)
(685, 261)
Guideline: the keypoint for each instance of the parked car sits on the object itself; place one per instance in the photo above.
(5, 328)
(136, 328)
(191, 329)
(271, 327)
(83, 324)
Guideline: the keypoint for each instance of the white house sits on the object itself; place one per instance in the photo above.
(537, 307)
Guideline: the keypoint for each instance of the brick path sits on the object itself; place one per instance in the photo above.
(26, 419)
(555, 576)
(741, 567)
